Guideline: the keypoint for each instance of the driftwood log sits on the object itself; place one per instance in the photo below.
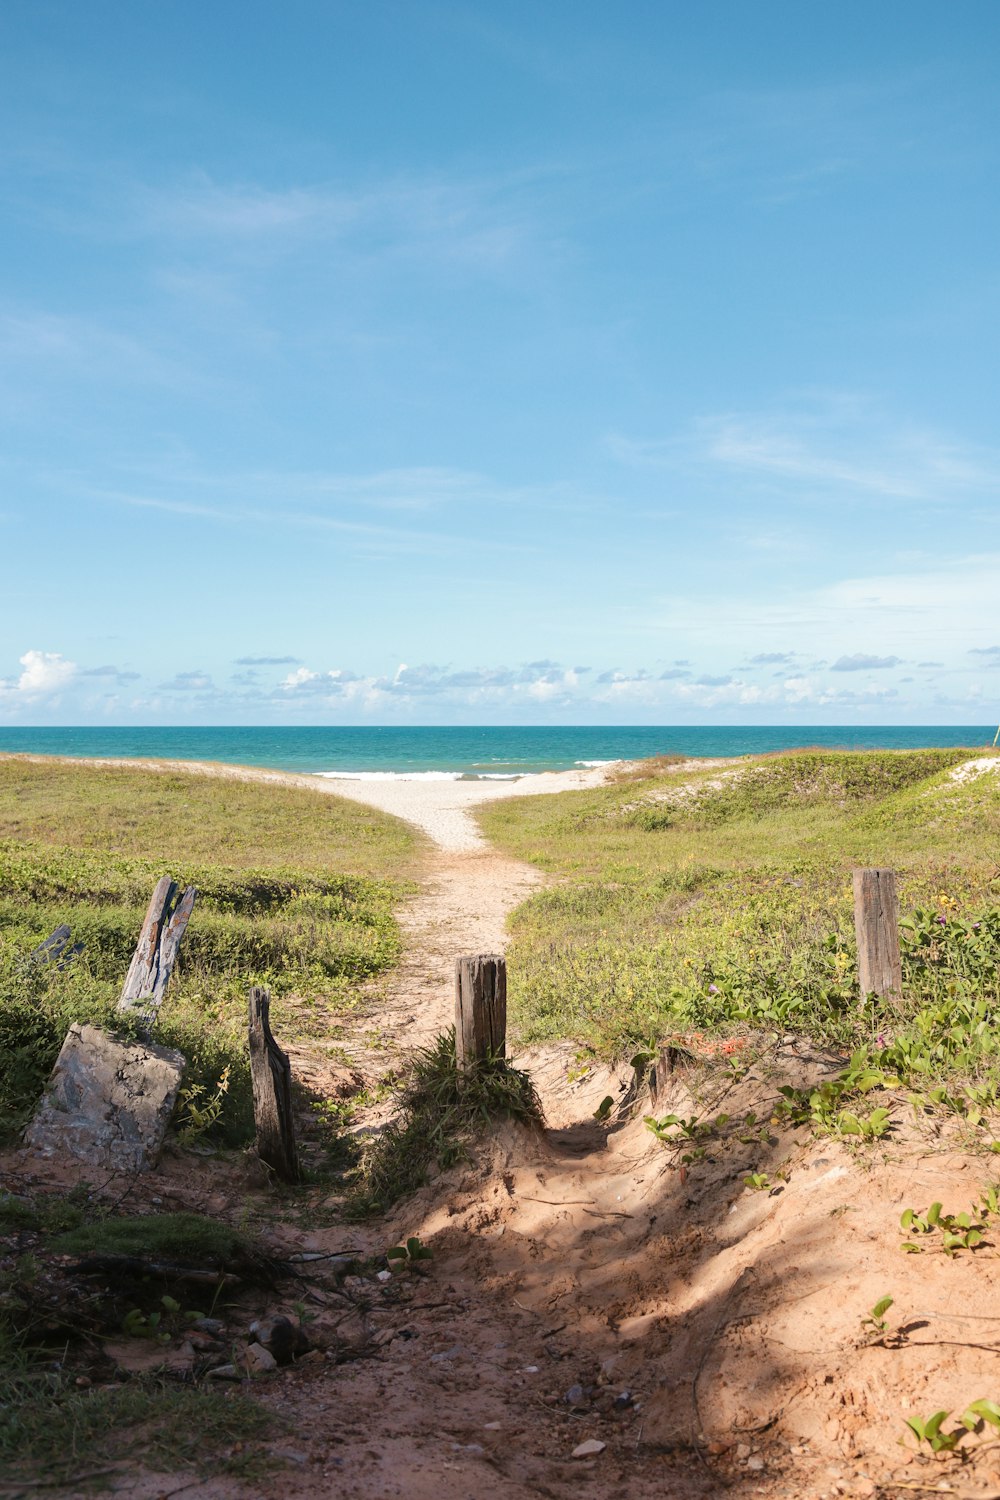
(480, 1008)
(156, 952)
(876, 923)
(271, 1079)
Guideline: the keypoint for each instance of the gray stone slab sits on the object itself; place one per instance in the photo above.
(108, 1102)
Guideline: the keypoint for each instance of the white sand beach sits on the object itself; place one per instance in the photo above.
(441, 808)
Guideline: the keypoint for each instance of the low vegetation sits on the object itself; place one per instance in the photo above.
(440, 1110)
(721, 901)
(296, 891)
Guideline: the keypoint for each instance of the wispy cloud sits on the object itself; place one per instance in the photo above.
(480, 223)
(267, 661)
(839, 442)
(113, 673)
(862, 661)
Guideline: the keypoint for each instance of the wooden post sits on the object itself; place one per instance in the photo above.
(56, 949)
(271, 1079)
(480, 1008)
(876, 922)
(155, 953)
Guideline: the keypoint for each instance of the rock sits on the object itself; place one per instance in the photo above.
(383, 1276)
(209, 1325)
(259, 1361)
(312, 1357)
(589, 1449)
(492, 1426)
(107, 1102)
(742, 1450)
(224, 1372)
(137, 1356)
(446, 1355)
(281, 1336)
(622, 1401)
(575, 1397)
(755, 1462)
(204, 1343)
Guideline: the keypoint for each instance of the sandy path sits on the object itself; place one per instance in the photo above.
(467, 888)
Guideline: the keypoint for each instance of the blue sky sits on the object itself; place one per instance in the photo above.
(466, 362)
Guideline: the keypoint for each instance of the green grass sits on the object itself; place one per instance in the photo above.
(50, 1429)
(722, 899)
(178, 817)
(296, 891)
(441, 1110)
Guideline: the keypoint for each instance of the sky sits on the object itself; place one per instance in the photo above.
(497, 362)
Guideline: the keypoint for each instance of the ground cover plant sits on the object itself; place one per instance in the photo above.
(720, 900)
(296, 891)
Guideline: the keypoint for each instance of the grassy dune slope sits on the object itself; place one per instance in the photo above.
(720, 899)
(296, 890)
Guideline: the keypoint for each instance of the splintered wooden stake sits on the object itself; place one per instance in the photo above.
(480, 1007)
(156, 951)
(271, 1080)
(876, 922)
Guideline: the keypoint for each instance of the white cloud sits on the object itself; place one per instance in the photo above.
(43, 674)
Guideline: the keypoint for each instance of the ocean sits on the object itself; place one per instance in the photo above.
(466, 753)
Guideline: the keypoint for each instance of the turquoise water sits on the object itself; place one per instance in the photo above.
(507, 751)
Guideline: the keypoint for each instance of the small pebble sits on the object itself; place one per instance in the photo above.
(383, 1276)
(492, 1426)
(589, 1449)
(755, 1462)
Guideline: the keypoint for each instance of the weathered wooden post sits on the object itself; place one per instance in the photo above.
(271, 1080)
(480, 1008)
(156, 951)
(876, 922)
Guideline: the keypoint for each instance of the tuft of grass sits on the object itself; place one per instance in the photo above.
(186, 1239)
(56, 1213)
(49, 1428)
(441, 1110)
